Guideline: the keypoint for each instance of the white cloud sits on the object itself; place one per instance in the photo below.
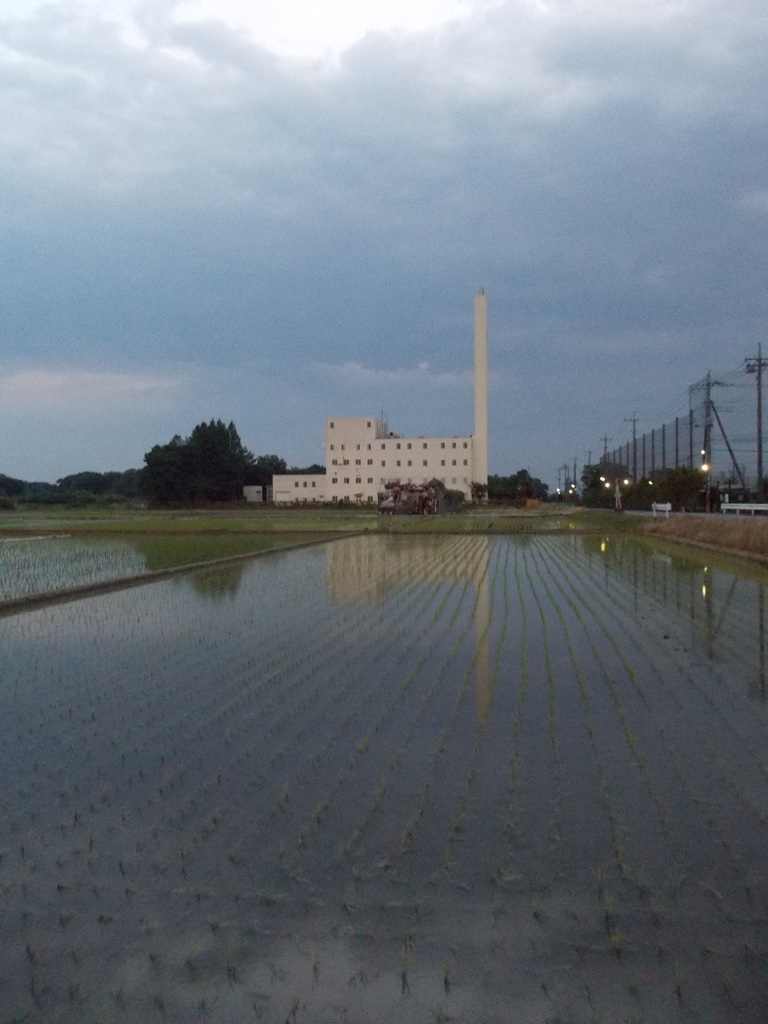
(77, 391)
(304, 29)
(310, 29)
(356, 375)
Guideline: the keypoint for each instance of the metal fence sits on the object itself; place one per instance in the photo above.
(722, 430)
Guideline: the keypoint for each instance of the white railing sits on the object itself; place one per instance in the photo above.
(737, 507)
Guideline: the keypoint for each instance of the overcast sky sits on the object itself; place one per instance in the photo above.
(280, 216)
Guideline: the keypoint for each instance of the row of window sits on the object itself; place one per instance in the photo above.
(358, 480)
(345, 462)
(464, 444)
(424, 480)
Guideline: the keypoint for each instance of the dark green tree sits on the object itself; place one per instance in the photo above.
(10, 487)
(112, 484)
(212, 464)
(683, 487)
(599, 482)
(165, 478)
(517, 487)
(264, 468)
(314, 468)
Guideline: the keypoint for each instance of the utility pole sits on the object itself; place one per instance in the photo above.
(755, 365)
(707, 446)
(605, 439)
(633, 421)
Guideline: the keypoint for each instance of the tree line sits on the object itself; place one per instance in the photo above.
(683, 487)
(519, 486)
(210, 465)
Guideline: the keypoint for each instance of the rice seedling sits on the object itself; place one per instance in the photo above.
(618, 943)
(152, 753)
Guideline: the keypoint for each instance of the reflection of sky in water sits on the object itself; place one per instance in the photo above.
(320, 705)
(714, 612)
(220, 621)
(172, 611)
(720, 613)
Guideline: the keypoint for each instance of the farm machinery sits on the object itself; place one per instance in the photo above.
(408, 500)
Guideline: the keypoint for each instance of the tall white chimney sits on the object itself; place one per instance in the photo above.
(480, 441)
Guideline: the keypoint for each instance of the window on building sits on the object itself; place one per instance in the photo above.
(370, 499)
(383, 462)
(358, 480)
(369, 462)
(397, 445)
(424, 445)
(346, 479)
(296, 483)
(442, 462)
(409, 462)
(453, 462)
(453, 445)
(425, 462)
(368, 423)
(442, 444)
(331, 426)
(464, 445)
(314, 484)
(383, 447)
(304, 484)
(368, 447)
(331, 447)
(398, 462)
(333, 462)
(370, 479)
(357, 462)
(357, 446)
(335, 481)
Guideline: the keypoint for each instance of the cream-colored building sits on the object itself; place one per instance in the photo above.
(362, 455)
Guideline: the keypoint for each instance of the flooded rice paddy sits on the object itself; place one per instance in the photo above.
(45, 563)
(389, 778)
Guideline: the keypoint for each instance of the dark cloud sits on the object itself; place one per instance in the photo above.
(185, 196)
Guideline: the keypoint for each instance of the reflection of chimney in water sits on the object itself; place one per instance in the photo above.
(484, 683)
(480, 441)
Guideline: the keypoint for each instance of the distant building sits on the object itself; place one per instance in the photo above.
(362, 454)
(257, 492)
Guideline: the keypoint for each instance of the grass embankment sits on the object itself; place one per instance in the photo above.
(742, 535)
(305, 522)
